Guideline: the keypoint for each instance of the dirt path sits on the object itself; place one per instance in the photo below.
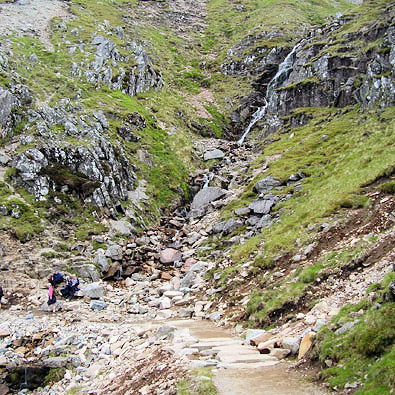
(31, 17)
(243, 370)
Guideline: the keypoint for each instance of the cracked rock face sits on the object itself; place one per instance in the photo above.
(93, 168)
(321, 75)
(6, 103)
(207, 195)
(106, 68)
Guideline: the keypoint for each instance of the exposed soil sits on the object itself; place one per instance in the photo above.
(357, 224)
(31, 17)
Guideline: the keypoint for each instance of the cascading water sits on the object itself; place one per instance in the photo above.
(207, 178)
(282, 74)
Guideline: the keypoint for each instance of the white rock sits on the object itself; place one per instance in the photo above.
(172, 294)
(165, 303)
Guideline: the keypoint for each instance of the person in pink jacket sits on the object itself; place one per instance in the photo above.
(51, 297)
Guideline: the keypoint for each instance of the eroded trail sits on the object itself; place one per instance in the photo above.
(242, 370)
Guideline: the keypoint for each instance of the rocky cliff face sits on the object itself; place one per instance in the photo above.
(330, 67)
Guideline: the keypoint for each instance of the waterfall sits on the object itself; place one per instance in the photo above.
(282, 74)
(174, 238)
(24, 385)
(207, 178)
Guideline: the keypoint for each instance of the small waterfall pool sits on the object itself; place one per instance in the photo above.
(28, 377)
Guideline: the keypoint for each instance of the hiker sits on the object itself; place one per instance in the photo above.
(51, 296)
(57, 278)
(71, 287)
(1, 295)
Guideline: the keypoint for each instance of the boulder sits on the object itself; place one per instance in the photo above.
(253, 333)
(123, 228)
(112, 271)
(199, 212)
(214, 154)
(54, 363)
(101, 261)
(262, 206)
(87, 271)
(165, 303)
(165, 276)
(4, 159)
(4, 389)
(172, 294)
(219, 227)
(319, 324)
(216, 316)
(305, 344)
(97, 305)
(291, 343)
(280, 353)
(199, 267)
(231, 226)
(207, 195)
(165, 330)
(4, 333)
(169, 255)
(242, 211)
(93, 371)
(261, 338)
(188, 280)
(266, 184)
(346, 327)
(114, 252)
(185, 313)
(265, 220)
(93, 291)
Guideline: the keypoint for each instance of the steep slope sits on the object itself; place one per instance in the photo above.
(114, 164)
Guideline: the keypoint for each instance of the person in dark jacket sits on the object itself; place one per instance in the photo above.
(71, 287)
(57, 278)
(1, 295)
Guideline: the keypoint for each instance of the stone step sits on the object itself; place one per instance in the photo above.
(245, 358)
(217, 345)
(249, 366)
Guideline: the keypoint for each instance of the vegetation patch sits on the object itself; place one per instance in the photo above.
(264, 304)
(365, 354)
(325, 150)
(201, 382)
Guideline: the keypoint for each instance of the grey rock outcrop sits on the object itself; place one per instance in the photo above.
(262, 206)
(169, 255)
(207, 195)
(101, 261)
(122, 227)
(214, 154)
(86, 271)
(291, 343)
(114, 252)
(93, 291)
(231, 226)
(319, 74)
(7, 101)
(111, 69)
(98, 305)
(95, 170)
(266, 184)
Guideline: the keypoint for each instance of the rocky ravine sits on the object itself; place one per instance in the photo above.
(126, 337)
